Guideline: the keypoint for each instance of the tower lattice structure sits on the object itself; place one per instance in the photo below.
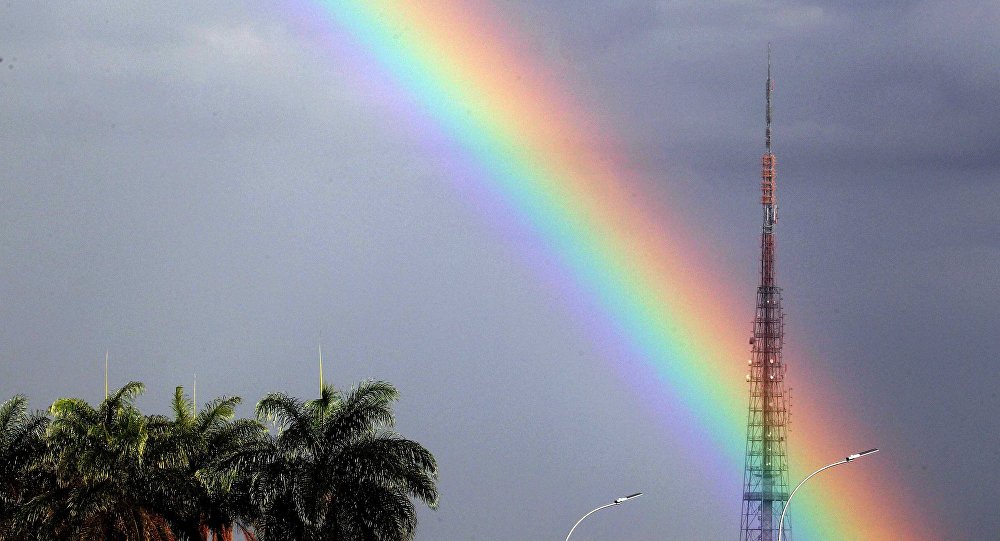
(765, 475)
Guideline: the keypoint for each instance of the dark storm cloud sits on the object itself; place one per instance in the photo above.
(889, 85)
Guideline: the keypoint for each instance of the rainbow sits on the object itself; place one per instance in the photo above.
(464, 72)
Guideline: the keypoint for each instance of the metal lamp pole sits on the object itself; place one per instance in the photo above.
(855, 456)
(617, 501)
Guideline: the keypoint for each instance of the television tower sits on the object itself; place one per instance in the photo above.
(765, 474)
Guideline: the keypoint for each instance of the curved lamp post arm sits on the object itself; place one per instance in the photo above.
(618, 501)
(781, 522)
(784, 509)
(585, 516)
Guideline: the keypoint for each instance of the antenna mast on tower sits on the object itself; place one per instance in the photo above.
(765, 474)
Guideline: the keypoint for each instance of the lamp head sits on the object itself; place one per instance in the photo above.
(626, 498)
(861, 454)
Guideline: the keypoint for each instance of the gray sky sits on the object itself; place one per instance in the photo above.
(203, 189)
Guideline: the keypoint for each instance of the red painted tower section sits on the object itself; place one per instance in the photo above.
(765, 476)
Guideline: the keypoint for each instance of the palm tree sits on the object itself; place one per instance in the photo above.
(336, 471)
(22, 447)
(196, 444)
(101, 483)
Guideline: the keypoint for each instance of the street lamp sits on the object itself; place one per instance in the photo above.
(618, 501)
(855, 456)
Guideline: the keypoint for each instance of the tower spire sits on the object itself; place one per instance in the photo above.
(770, 87)
(768, 196)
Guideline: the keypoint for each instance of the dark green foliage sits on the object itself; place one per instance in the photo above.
(333, 471)
(99, 479)
(22, 445)
(192, 446)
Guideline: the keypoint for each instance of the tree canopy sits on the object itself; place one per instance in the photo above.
(328, 469)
